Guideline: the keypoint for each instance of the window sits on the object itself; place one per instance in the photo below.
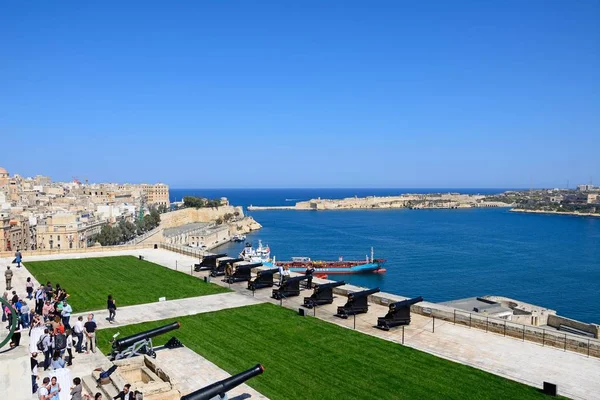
(58, 238)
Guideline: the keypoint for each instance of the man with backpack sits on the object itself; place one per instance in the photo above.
(60, 342)
(44, 344)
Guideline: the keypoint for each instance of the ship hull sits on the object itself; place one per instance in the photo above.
(330, 268)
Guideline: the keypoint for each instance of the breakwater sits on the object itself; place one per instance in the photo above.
(579, 214)
(412, 201)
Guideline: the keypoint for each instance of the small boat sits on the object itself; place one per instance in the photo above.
(260, 254)
(238, 238)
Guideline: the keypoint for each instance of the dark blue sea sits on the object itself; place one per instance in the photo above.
(548, 260)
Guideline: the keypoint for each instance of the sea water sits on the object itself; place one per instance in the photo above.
(548, 260)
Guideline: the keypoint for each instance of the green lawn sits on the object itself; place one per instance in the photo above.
(131, 281)
(306, 358)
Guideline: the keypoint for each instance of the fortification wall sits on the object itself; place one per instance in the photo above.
(92, 249)
(191, 215)
(556, 321)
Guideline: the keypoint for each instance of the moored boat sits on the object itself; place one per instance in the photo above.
(300, 264)
(238, 238)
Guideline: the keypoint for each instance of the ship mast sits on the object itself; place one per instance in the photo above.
(372, 254)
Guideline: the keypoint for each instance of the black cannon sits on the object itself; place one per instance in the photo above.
(139, 343)
(218, 390)
(223, 265)
(208, 262)
(322, 294)
(398, 314)
(263, 279)
(289, 287)
(356, 304)
(242, 273)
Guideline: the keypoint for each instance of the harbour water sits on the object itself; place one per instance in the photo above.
(548, 260)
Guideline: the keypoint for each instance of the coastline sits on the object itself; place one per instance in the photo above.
(521, 210)
(408, 201)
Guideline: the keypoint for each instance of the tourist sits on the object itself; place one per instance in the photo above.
(90, 334)
(60, 342)
(40, 295)
(25, 314)
(47, 310)
(69, 335)
(8, 274)
(8, 315)
(15, 298)
(286, 272)
(18, 258)
(54, 389)
(61, 294)
(44, 389)
(57, 326)
(124, 394)
(48, 291)
(15, 339)
(29, 288)
(46, 341)
(66, 313)
(112, 308)
(76, 389)
(78, 331)
(57, 361)
(34, 372)
(5, 297)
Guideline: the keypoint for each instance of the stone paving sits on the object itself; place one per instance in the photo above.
(576, 375)
(189, 372)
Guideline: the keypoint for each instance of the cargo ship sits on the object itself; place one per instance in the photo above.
(300, 264)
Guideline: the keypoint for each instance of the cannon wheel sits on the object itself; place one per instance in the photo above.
(13, 322)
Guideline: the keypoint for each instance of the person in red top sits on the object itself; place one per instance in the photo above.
(59, 328)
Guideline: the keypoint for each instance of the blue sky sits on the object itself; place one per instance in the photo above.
(302, 94)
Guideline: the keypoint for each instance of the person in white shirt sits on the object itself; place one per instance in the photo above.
(69, 346)
(43, 390)
(66, 313)
(78, 332)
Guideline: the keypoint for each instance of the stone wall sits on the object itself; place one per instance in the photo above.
(556, 321)
(245, 225)
(93, 249)
(190, 215)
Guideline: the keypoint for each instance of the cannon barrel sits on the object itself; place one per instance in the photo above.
(127, 341)
(230, 261)
(364, 293)
(222, 387)
(214, 256)
(268, 271)
(294, 279)
(325, 286)
(253, 265)
(405, 303)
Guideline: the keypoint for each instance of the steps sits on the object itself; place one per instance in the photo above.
(108, 391)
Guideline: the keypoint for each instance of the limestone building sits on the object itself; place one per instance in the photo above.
(67, 231)
(157, 194)
(3, 177)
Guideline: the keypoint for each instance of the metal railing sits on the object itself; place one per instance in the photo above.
(545, 336)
